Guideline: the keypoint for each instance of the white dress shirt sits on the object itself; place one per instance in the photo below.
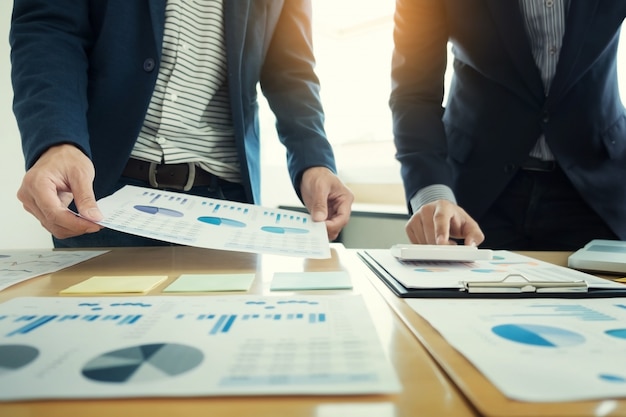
(189, 117)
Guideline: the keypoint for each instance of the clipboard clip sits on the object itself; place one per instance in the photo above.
(518, 283)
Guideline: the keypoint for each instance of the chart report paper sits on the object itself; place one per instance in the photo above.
(170, 346)
(210, 223)
(539, 350)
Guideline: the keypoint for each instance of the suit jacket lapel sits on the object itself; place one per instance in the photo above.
(235, 24)
(510, 22)
(571, 61)
(157, 15)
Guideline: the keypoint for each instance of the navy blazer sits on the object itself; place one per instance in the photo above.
(497, 107)
(83, 73)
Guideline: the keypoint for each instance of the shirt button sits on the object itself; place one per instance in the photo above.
(148, 65)
(174, 97)
(161, 140)
(545, 117)
(549, 3)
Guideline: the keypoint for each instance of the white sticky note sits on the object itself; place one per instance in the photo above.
(293, 281)
(356, 410)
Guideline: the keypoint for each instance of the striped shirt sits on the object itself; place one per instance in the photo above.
(545, 24)
(189, 117)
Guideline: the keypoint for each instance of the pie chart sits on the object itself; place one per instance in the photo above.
(284, 230)
(618, 333)
(538, 335)
(221, 221)
(159, 210)
(14, 357)
(143, 363)
(619, 379)
(429, 270)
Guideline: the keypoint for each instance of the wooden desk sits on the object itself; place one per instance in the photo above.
(486, 398)
(427, 391)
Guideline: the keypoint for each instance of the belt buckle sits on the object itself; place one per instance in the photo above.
(191, 177)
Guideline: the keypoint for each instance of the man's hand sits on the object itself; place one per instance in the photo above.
(327, 199)
(441, 221)
(62, 174)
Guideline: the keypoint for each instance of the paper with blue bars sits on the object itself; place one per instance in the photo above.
(171, 346)
(216, 224)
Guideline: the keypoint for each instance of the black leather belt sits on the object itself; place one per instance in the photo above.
(168, 176)
(536, 164)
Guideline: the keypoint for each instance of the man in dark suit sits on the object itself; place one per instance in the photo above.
(163, 93)
(530, 149)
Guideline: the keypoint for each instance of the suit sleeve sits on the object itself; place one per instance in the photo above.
(418, 70)
(49, 47)
(292, 89)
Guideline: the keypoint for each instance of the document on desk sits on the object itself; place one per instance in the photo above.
(210, 223)
(176, 346)
(20, 265)
(504, 265)
(538, 350)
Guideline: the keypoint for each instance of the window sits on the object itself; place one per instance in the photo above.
(353, 44)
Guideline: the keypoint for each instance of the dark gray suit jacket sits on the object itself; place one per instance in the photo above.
(83, 72)
(497, 106)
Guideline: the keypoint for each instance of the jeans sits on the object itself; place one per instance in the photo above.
(222, 190)
(541, 210)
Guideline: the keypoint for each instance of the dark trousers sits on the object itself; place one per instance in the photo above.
(222, 190)
(541, 210)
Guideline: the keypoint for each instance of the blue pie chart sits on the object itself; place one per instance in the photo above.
(221, 221)
(616, 379)
(14, 357)
(284, 230)
(143, 363)
(159, 210)
(619, 333)
(538, 335)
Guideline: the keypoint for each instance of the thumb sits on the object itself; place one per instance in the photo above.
(86, 205)
(319, 210)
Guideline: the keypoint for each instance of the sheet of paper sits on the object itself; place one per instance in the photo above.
(436, 274)
(295, 281)
(540, 350)
(211, 282)
(139, 284)
(216, 224)
(20, 265)
(170, 346)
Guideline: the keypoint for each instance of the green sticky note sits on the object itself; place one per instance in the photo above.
(211, 282)
(116, 284)
(293, 281)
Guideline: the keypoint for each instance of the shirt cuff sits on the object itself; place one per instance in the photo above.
(431, 193)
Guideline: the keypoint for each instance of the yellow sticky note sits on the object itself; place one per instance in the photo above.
(211, 282)
(116, 284)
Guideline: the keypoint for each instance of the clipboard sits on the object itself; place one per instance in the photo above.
(513, 285)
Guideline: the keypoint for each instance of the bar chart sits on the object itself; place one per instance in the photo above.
(216, 224)
(207, 345)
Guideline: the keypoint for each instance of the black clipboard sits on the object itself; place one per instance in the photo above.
(496, 289)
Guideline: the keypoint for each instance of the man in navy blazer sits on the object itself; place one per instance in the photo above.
(479, 160)
(84, 72)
